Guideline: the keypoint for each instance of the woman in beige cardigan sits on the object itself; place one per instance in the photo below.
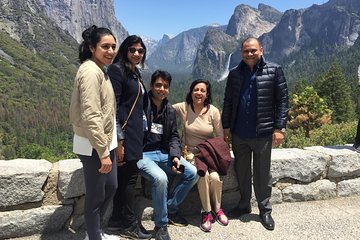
(201, 122)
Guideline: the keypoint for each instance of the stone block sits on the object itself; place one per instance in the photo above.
(298, 164)
(345, 163)
(48, 219)
(319, 190)
(22, 181)
(349, 187)
(71, 178)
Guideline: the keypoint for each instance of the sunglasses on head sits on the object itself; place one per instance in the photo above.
(139, 50)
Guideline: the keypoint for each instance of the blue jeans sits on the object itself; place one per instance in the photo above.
(155, 166)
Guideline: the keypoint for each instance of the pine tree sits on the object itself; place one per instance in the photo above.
(308, 111)
(334, 89)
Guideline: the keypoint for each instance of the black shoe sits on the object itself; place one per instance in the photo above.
(356, 147)
(177, 220)
(161, 233)
(238, 212)
(267, 221)
(136, 231)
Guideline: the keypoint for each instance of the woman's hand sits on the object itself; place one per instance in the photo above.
(227, 135)
(120, 154)
(106, 165)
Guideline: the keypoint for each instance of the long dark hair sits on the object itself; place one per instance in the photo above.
(91, 36)
(208, 100)
(121, 55)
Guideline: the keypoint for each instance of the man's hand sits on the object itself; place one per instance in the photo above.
(277, 138)
(106, 165)
(176, 164)
(120, 154)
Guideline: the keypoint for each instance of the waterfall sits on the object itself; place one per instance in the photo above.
(226, 71)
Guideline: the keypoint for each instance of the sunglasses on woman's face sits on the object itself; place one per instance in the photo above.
(139, 50)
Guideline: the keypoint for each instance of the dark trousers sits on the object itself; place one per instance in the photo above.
(258, 150)
(357, 137)
(125, 197)
(100, 189)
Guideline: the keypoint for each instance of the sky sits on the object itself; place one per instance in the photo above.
(153, 18)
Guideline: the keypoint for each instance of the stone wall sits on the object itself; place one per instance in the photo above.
(37, 196)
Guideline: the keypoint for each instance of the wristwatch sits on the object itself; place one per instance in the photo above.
(282, 130)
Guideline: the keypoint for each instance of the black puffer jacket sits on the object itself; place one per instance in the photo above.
(272, 97)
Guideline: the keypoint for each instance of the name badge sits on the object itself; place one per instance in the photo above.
(156, 128)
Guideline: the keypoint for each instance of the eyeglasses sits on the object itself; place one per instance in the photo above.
(139, 50)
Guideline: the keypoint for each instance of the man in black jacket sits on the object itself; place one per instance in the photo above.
(255, 112)
(162, 157)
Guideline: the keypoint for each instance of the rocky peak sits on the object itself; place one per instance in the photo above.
(213, 55)
(164, 39)
(75, 16)
(177, 54)
(250, 21)
(220, 50)
(269, 13)
(323, 28)
(150, 43)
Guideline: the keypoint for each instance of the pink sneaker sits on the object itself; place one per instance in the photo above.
(222, 218)
(206, 221)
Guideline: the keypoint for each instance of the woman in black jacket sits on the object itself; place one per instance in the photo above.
(131, 101)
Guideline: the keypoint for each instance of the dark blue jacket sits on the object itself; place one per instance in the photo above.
(272, 97)
(125, 86)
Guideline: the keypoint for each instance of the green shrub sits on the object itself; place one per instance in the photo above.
(326, 135)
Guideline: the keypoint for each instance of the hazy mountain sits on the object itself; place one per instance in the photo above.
(152, 44)
(177, 54)
(322, 28)
(214, 53)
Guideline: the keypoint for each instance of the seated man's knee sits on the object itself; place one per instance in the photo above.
(160, 179)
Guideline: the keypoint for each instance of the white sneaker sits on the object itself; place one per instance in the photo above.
(104, 237)
(109, 237)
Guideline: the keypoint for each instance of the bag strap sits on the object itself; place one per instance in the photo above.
(133, 106)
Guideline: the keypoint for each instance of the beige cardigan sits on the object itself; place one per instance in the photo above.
(92, 107)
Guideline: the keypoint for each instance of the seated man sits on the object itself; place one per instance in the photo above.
(162, 156)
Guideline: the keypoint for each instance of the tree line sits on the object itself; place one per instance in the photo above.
(35, 93)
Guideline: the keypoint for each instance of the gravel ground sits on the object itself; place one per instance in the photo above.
(327, 219)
